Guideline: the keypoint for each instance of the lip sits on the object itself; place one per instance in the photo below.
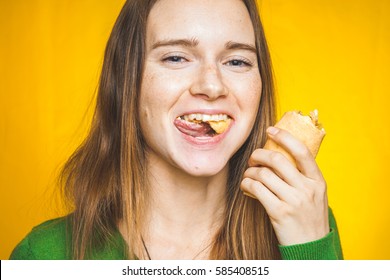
(206, 142)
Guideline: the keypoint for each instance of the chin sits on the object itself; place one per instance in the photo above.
(204, 169)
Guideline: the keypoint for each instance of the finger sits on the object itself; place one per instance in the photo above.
(304, 159)
(273, 182)
(270, 202)
(284, 168)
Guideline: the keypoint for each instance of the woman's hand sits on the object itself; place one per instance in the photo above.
(294, 197)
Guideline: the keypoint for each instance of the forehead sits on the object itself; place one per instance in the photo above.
(213, 20)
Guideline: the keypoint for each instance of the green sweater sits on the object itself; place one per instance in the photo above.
(50, 241)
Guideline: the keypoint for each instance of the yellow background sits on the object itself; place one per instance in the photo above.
(328, 54)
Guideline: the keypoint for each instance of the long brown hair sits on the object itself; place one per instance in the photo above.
(105, 178)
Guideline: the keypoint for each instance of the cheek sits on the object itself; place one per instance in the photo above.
(159, 93)
(159, 90)
(254, 97)
(250, 95)
(151, 96)
(147, 103)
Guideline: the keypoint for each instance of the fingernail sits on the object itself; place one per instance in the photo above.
(272, 130)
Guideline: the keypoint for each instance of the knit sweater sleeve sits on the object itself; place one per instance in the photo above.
(326, 248)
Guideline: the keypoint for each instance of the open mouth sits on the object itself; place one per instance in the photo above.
(203, 125)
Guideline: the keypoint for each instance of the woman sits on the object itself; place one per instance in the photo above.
(155, 179)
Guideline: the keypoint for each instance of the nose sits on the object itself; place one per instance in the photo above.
(208, 83)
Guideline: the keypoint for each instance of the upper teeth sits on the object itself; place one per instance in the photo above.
(205, 117)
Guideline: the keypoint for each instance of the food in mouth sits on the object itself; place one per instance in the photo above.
(203, 125)
(219, 126)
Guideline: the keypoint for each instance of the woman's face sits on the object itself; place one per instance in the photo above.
(200, 65)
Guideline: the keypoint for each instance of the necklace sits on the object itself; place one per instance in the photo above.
(146, 249)
(193, 258)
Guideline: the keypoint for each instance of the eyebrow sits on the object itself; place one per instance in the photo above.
(193, 42)
(240, 46)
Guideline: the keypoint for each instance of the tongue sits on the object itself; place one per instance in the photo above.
(194, 129)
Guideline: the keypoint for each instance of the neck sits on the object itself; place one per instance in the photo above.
(185, 212)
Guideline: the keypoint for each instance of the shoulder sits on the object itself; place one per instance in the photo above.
(47, 241)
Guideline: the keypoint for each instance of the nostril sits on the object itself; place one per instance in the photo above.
(209, 90)
(204, 96)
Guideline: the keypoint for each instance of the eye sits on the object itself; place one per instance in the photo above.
(239, 63)
(174, 59)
